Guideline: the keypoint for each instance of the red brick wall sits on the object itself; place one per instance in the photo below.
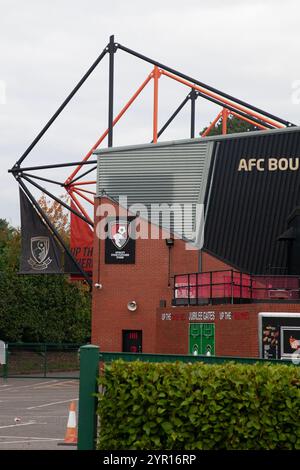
(209, 263)
(146, 282)
(237, 336)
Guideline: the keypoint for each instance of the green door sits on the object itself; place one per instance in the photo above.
(202, 339)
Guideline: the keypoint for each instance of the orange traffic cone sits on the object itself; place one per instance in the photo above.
(71, 433)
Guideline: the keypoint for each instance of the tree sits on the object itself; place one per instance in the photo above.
(57, 215)
(6, 232)
(39, 308)
(234, 125)
(10, 254)
(43, 308)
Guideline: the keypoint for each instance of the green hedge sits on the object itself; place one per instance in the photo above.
(43, 308)
(197, 406)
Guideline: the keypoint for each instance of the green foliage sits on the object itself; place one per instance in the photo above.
(163, 406)
(6, 234)
(39, 308)
(43, 308)
(10, 252)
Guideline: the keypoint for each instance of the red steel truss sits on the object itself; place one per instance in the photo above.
(155, 75)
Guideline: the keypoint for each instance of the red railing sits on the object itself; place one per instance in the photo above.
(233, 286)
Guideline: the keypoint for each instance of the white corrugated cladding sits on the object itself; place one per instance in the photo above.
(168, 173)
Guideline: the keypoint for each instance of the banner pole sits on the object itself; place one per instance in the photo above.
(62, 106)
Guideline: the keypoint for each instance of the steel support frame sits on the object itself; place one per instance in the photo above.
(80, 207)
(206, 91)
(224, 115)
(224, 121)
(66, 206)
(203, 85)
(230, 108)
(230, 104)
(61, 107)
(193, 97)
(79, 192)
(241, 113)
(212, 125)
(111, 51)
(156, 76)
(250, 121)
(71, 179)
(226, 101)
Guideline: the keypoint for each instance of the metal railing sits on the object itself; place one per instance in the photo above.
(230, 286)
(32, 360)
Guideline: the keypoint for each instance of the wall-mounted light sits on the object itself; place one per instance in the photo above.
(132, 306)
(169, 242)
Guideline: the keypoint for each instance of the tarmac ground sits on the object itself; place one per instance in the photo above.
(34, 412)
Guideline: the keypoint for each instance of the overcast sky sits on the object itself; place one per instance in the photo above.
(249, 49)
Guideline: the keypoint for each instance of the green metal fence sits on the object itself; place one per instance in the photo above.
(128, 357)
(90, 356)
(37, 360)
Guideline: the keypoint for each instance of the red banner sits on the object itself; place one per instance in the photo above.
(81, 243)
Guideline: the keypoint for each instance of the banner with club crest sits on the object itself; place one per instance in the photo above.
(40, 253)
(120, 242)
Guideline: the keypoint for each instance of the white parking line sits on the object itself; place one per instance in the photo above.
(36, 440)
(50, 404)
(28, 437)
(14, 387)
(21, 424)
(60, 384)
(31, 416)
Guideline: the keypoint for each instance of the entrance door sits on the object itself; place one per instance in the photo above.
(132, 341)
(202, 339)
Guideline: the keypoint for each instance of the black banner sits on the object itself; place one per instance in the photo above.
(40, 252)
(120, 241)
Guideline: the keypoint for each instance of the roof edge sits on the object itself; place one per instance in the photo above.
(215, 138)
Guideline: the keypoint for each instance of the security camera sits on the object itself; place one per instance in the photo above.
(98, 286)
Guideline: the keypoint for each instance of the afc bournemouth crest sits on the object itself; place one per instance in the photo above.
(119, 233)
(120, 241)
(39, 259)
